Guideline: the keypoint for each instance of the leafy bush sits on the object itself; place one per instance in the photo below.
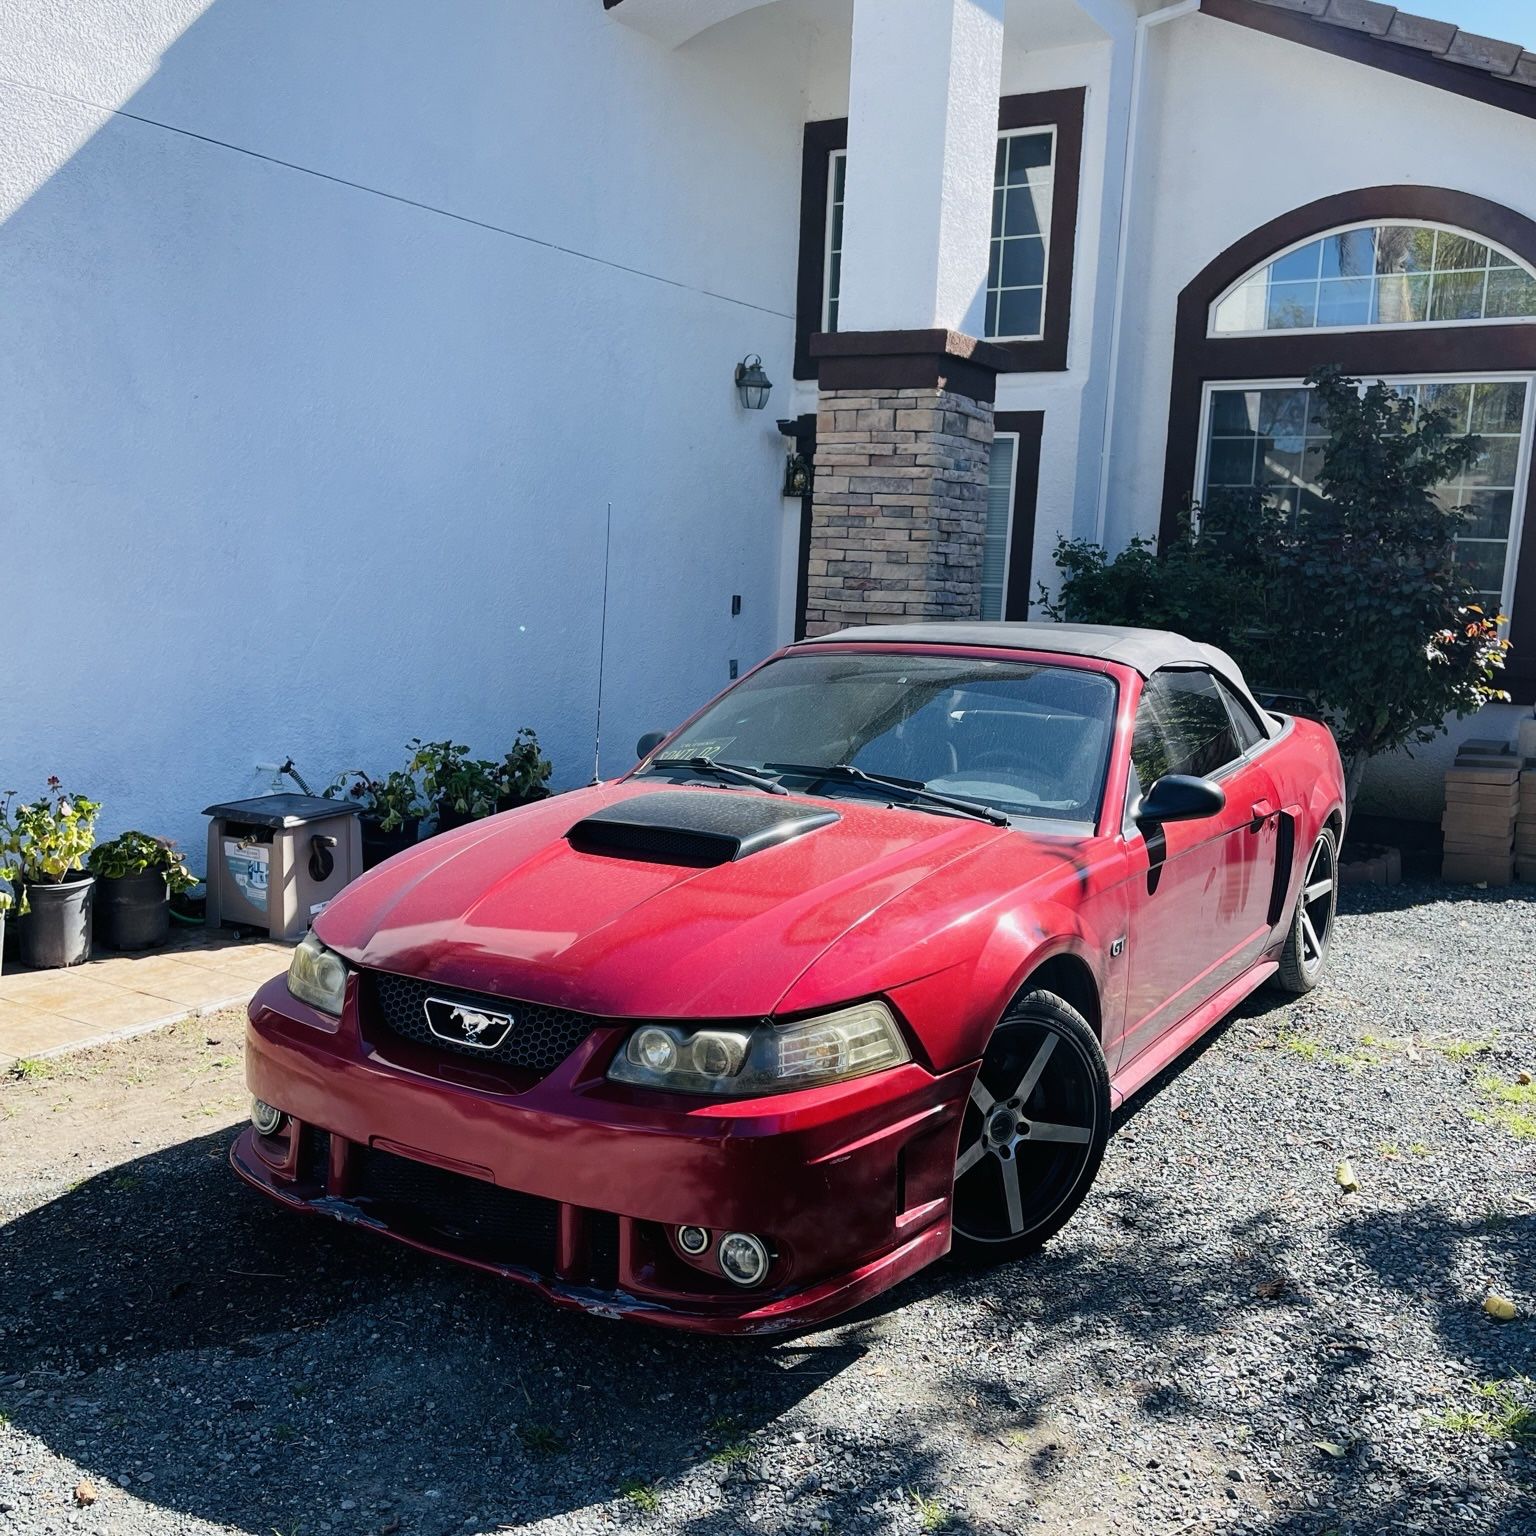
(477, 786)
(1356, 603)
(391, 801)
(523, 774)
(453, 779)
(135, 853)
(43, 841)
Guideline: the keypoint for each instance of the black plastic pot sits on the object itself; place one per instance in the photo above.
(133, 911)
(379, 845)
(448, 818)
(57, 931)
(511, 802)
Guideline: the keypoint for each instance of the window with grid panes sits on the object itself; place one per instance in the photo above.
(1021, 226)
(1270, 438)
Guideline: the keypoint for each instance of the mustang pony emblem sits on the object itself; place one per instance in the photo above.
(458, 1025)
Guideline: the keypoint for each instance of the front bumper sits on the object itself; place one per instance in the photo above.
(578, 1184)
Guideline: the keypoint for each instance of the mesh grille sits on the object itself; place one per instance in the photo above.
(539, 1040)
(456, 1212)
(315, 1156)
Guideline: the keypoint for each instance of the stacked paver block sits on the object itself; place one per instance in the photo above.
(1482, 798)
(1525, 823)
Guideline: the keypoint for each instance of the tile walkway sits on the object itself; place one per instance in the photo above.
(45, 1013)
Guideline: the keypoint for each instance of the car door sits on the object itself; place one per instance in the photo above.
(1200, 890)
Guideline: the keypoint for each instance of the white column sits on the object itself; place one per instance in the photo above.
(922, 137)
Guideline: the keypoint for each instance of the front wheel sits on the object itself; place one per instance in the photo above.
(1033, 1133)
(1306, 945)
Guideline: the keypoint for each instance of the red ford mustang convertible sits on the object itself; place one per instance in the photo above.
(850, 970)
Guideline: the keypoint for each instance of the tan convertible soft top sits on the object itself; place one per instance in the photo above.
(1145, 650)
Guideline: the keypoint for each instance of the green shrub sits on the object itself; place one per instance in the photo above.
(133, 853)
(1355, 603)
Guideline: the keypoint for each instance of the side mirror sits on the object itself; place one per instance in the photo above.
(1180, 797)
(649, 742)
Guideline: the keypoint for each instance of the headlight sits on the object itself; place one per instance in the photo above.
(317, 976)
(767, 1059)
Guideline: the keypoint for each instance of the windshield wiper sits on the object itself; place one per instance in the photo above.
(915, 792)
(732, 771)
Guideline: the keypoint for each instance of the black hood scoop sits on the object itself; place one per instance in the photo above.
(696, 826)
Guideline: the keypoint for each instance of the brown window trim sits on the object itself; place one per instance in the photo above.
(1199, 359)
(1062, 110)
(1029, 426)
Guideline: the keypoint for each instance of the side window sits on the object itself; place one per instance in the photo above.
(1244, 725)
(1152, 753)
(1195, 718)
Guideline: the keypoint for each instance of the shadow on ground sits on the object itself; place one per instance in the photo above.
(179, 1338)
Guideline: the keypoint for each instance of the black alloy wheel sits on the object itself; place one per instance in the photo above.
(1306, 946)
(1034, 1130)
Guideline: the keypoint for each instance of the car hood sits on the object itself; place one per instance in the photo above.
(508, 906)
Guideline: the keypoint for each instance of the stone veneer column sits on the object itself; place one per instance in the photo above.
(899, 500)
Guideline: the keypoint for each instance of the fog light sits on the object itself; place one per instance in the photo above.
(692, 1239)
(268, 1121)
(743, 1258)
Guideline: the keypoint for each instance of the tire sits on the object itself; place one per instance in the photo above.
(1015, 1188)
(1305, 955)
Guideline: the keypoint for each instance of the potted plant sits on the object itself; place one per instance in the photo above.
(48, 840)
(136, 876)
(392, 808)
(523, 774)
(7, 899)
(460, 787)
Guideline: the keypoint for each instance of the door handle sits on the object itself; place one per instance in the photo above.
(1262, 811)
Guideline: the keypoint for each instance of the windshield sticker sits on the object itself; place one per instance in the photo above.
(684, 750)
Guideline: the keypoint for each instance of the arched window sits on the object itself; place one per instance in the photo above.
(1387, 273)
(1428, 289)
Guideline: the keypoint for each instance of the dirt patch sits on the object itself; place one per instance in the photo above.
(67, 1117)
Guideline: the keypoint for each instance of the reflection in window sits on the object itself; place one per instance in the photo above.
(836, 185)
(1021, 226)
(1270, 439)
(997, 539)
(1382, 274)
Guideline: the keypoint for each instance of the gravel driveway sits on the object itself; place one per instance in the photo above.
(1222, 1339)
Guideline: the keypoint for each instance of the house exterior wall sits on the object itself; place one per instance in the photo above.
(1070, 398)
(1239, 127)
(307, 453)
(328, 341)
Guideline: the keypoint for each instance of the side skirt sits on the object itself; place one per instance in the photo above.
(1142, 1068)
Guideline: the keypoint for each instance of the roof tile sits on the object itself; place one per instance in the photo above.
(1403, 29)
(1421, 32)
(1362, 15)
(1483, 52)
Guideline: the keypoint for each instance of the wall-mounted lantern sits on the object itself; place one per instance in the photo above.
(752, 384)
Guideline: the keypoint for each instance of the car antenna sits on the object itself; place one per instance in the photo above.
(602, 649)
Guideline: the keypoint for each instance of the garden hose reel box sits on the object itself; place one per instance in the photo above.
(274, 862)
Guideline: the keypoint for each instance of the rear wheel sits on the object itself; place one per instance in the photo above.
(1306, 946)
(1033, 1133)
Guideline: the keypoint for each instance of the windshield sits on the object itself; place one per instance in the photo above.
(1028, 739)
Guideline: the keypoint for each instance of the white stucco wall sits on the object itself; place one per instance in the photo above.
(321, 356)
(1073, 412)
(1240, 127)
(1078, 54)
